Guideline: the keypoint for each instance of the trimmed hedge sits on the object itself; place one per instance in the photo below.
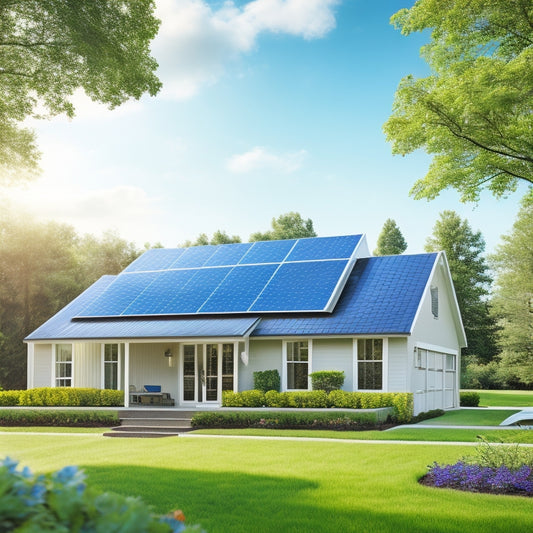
(327, 380)
(401, 402)
(468, 399)
(62, 397)
(286, 420)
(265, 380)
(67, 418)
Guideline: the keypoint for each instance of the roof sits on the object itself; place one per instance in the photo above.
(381, 296)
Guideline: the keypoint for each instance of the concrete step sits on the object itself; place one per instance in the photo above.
(158, 422)
(139, 434)
(155, 413)
(148, 429)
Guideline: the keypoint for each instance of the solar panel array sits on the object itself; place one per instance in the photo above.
(261, 277)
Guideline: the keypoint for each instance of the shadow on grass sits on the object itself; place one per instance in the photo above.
(223, 501)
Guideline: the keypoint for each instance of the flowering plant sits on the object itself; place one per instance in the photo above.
(62, 502)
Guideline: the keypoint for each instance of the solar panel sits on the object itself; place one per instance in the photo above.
(155, 259)
(239, 290)
(269, 276)
(324, 248)
(305, 286)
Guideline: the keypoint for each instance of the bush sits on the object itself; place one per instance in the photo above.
(468, 399)
(65, 418)
(327, 380)
(265, 380)
(9, 398)
(61, 502)
(65, 397)
(286, 420)
(247, 398)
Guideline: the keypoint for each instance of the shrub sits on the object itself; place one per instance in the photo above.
(247, 398)
(469, 399)
(426, 415)
(279, 399)
(265, 380)
(327, 380)
(286, 420)
(310, 399)
(512, 456)
(65, 418)
(69, 397)
(9, 397)
(61, 502)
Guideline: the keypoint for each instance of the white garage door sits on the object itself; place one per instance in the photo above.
(435, 380)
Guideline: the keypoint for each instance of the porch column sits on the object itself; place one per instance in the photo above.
(31, 365)
(126, 374)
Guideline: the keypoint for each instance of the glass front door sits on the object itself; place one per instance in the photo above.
(207, 370)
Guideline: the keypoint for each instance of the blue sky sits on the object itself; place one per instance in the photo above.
(268, 106)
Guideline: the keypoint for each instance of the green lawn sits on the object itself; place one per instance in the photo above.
(247, 485)
(505, 398)
(51, 429)
(471, 417)
(408, 434)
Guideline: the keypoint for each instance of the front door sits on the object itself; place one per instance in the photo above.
(207, 370)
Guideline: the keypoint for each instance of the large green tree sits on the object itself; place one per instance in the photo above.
(390, 240)
(50, 48)
(287, 226)
(219, 237)
(464, 250)
(513, 297)
(473, 113)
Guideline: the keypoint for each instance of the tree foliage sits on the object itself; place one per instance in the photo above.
(219, 237)
(43, 266)
(473, 113)
(513, 298)
(390, 240)
(50, 48)
(464, 250)
(287, 226)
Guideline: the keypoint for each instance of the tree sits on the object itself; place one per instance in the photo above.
(464, 251)
(50, 48)
(288, 226)
(473, 113)
(390, 240)
(513, 298)
(219, 237)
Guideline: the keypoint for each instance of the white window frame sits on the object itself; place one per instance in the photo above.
(384, 364)
(284, 376)
(104, 361)
(55, 377)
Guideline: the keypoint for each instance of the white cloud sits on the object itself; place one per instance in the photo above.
(196, 42)
(259, 158)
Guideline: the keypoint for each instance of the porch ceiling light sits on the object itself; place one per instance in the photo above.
(168, 353)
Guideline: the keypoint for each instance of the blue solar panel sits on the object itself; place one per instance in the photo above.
(152, 300)
(119, 295)
(194, 257)
(239, 290)
(193, 294)
(155, 259)
(301, 287)
(228, 254)
(267, 252)
(324, 248)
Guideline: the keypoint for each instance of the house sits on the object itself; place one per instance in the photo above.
(198, 321)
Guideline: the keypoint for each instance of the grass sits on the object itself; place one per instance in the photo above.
(407, 434)
(471, 417)
(290, 486)
(51, 429)
(505, 398)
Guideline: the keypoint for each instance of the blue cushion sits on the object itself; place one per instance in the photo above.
(152, 388)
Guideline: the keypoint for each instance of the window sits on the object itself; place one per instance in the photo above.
(64, 365)
(227, 366)
(421, 358)
(370, 364)
(435, 301)
(111, 366)
(298, 365)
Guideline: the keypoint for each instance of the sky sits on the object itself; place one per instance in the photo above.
(267, 106)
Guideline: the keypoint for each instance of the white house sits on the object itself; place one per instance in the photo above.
(198, 321)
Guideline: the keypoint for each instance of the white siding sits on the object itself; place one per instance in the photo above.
(149, 366)
(87, 361)
(334, 354)
(263, 355)
(398, 368)
(43, 361)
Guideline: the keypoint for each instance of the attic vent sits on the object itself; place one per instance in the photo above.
(435, 301)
